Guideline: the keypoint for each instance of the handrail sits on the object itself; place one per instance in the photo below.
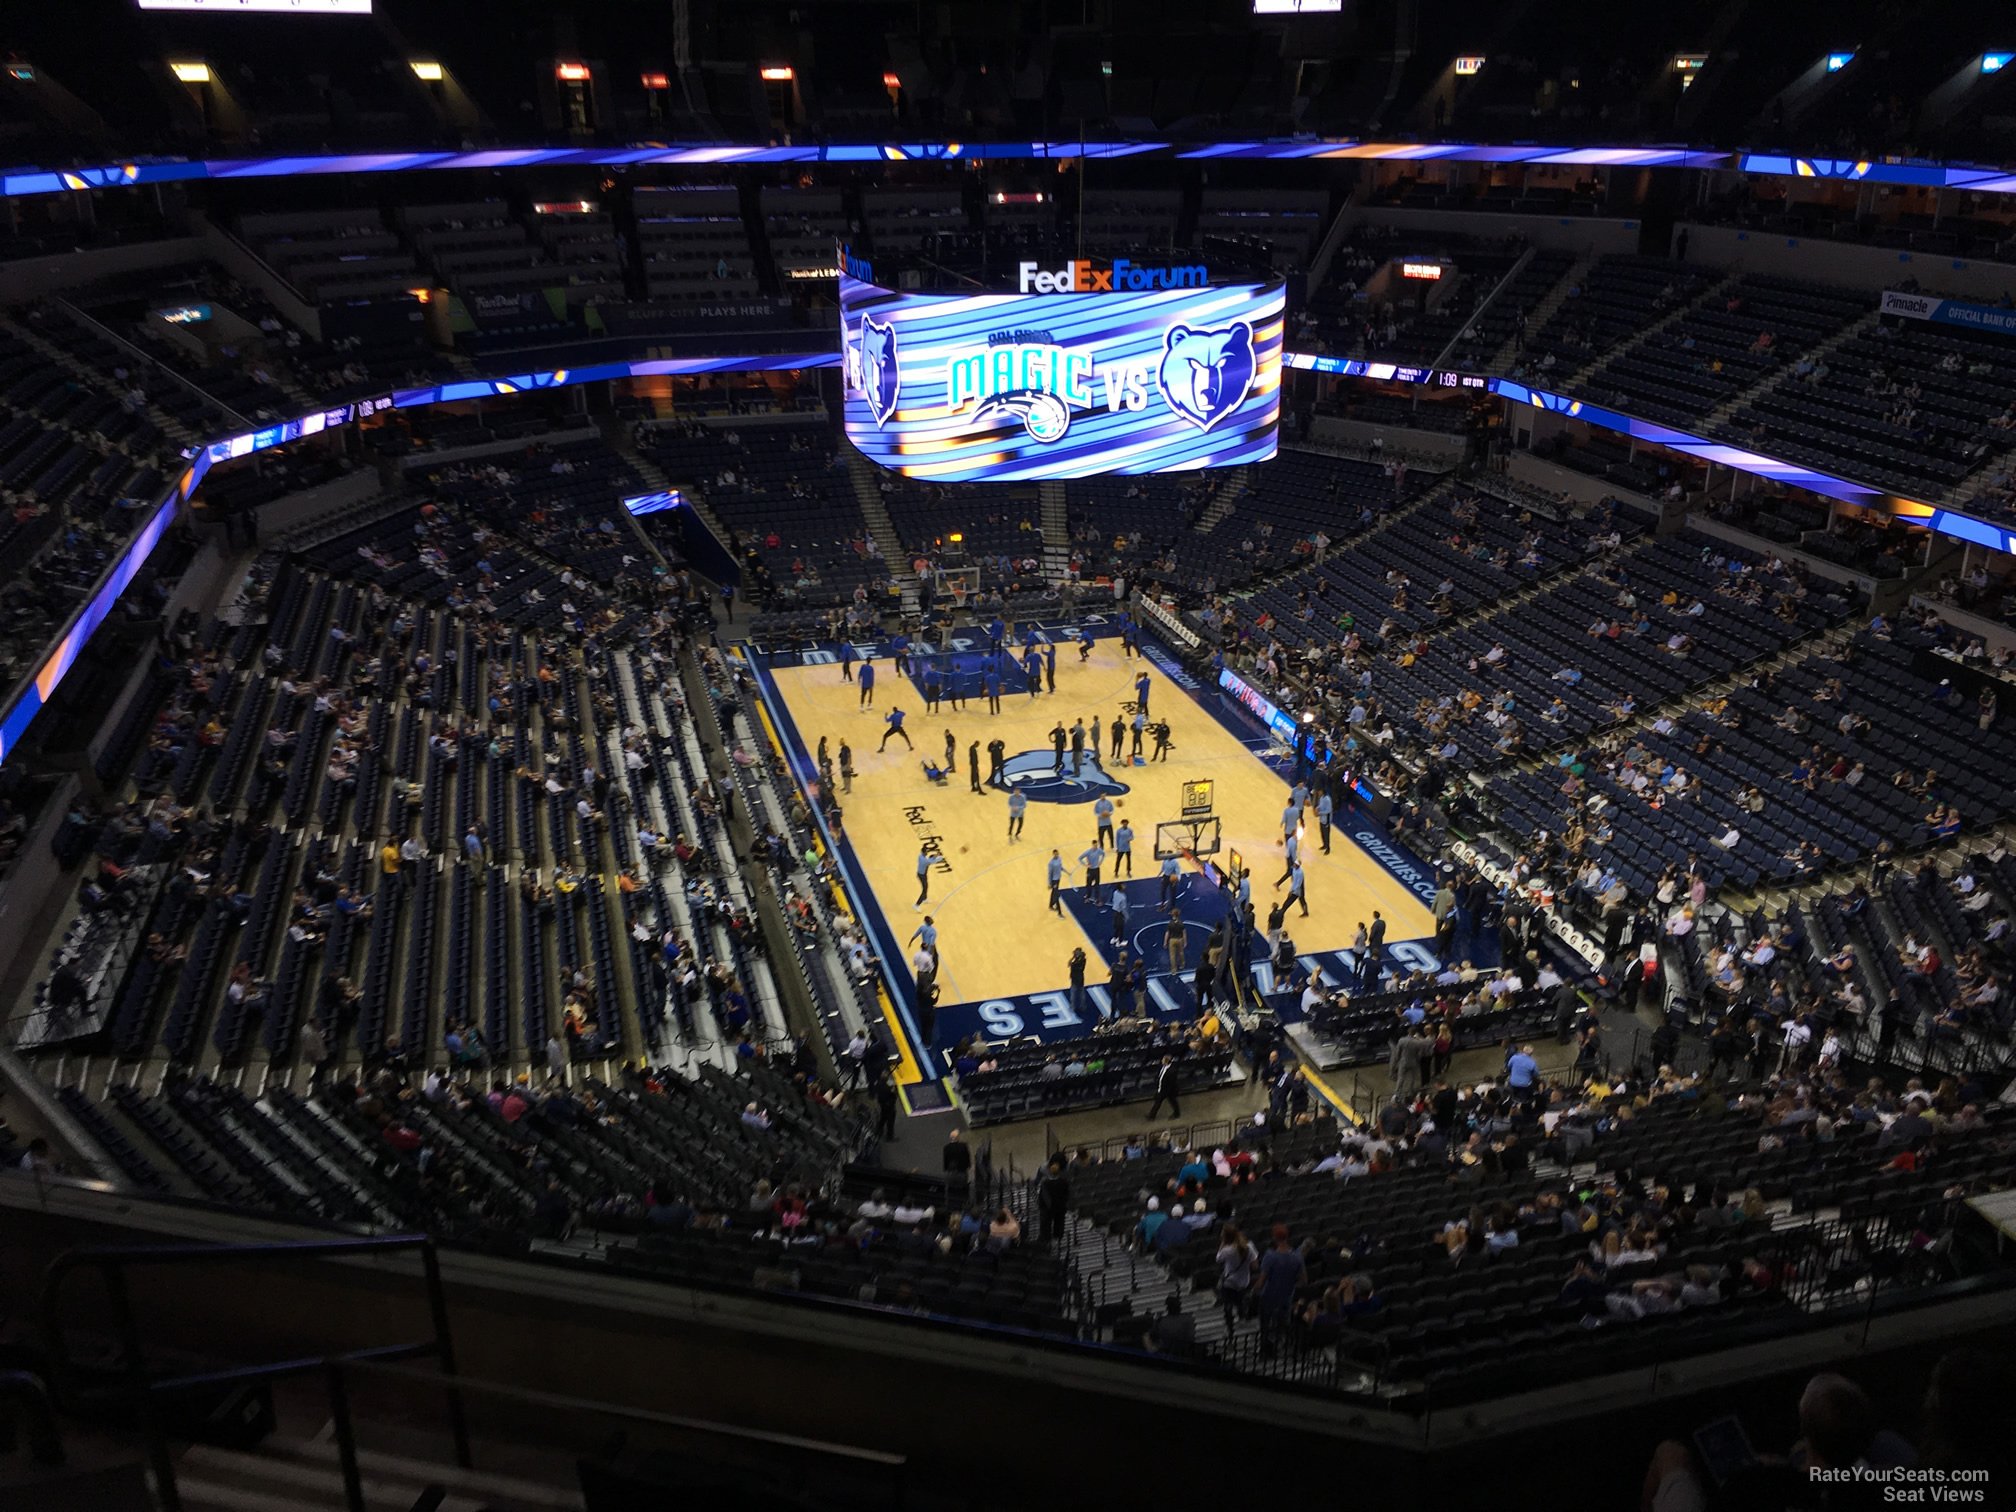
(142, 1391)
(535, 1397)
(31, 1398)
(98, 328)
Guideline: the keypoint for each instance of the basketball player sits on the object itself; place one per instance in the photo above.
(1119, 732)
(1018, 805)
(1092, 858)
(1055, 872)
(893, 719)
(867, 681)
(1103, 812)
(1172, 873)
(1123, 849)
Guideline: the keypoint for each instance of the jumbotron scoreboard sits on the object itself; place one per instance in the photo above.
(1082, 369)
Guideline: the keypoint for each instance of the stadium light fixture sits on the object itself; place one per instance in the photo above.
(429, 73)
(1469, 65)
(1838, 61)
(191, 73)
(572, 73)
(779, 73)
(1995, 62)
(656, 81)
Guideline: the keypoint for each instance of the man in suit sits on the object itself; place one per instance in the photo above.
(1405, 1063)
(1167, 1086)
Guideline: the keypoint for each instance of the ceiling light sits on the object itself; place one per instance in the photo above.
(191, 73)
(431, 73)
(656, 81)
(573, 73)
(779, 74)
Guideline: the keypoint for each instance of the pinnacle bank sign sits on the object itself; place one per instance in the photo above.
(1083, 276)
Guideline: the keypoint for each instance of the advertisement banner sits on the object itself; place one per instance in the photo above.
(1953, 312)
(1007, 387)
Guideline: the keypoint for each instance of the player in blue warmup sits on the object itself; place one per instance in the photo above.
(1123, 849)
(1141, 687)
(1092, 858)
(1055, 873)
(867, 681)
(893, 719)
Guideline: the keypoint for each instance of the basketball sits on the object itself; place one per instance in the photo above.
(964, 848)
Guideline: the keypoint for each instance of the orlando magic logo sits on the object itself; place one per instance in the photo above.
(1044, 416)
(1034, 774)
(881, 378)
(1205, 375)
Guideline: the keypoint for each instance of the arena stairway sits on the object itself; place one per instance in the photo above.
(1056, 523)
(868, 493)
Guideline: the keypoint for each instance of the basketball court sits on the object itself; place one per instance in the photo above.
(1004, 955)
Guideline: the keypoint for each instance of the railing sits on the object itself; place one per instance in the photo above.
(30, 1399)
(1167, 1137)
(590, 1440)
(150, 362)
(143, 1393)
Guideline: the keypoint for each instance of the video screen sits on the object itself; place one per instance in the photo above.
(263, 7)
(1135, 369)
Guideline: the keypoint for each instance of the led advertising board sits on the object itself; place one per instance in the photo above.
(1158, 377)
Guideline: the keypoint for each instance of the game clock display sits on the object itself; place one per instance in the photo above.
(1006, 387)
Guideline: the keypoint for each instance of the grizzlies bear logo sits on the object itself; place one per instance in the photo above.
(881, 380)
(1206, 374)
(1034, 775)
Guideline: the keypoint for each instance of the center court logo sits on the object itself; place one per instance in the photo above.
(1034, 774)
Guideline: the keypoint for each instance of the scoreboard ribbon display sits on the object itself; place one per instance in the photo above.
(1007, 387)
